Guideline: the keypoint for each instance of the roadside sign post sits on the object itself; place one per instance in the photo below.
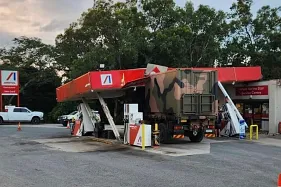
(9, 80)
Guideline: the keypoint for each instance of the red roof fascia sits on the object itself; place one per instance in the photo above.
(237, 74)
(73, 88)
(225, 75)
(137, 82)
(100, 80)
(115, 79)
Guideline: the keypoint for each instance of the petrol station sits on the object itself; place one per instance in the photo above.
(243, 84)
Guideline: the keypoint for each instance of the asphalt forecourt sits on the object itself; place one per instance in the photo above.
(65, 142)
(51, 157)
(87, 143)
(61, 140)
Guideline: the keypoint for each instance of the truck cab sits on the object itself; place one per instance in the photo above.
(20, 114)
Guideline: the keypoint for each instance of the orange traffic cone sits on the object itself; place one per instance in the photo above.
(68, 127)
(279, 181)
(19, 127)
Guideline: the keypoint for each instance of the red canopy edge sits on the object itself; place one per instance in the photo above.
(225, 75)
(103, 81)
(97, 81)
(237, 74)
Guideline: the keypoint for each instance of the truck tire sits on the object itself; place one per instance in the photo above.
(35, 120)
(163, 133)
(1, 120)
(198, 138)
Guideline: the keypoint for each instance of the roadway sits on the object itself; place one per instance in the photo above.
(45, 155)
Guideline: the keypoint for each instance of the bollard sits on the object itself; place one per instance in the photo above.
(279, 181)
(156, 135)
(251, 132)
(143, 136)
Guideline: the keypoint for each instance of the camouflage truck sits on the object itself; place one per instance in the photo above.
(182, 102)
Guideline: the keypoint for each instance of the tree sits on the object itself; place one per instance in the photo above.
(108, 33)
(254, 40)
(188, 38)
(38, 75)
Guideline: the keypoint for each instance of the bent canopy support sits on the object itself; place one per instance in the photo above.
(229, 100)
(109, 117)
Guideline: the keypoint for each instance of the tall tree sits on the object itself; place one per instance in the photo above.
(254, 40)
(184, 36)
(108, 33)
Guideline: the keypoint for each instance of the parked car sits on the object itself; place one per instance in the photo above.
(75, 114)
(65, 118)
(20, 114)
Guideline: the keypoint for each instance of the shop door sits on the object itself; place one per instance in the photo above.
(248, 114)
(253, 114)
(257, 114)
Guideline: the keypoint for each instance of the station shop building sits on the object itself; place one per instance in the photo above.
(259, 102)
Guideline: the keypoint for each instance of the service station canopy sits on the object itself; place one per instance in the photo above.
(112, 83)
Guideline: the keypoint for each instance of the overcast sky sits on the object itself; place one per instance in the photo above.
(47, 18)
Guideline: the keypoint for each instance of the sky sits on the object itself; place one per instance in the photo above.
(48, 18)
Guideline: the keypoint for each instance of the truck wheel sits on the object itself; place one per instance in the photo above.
(35, 120)
(163, 133)
(1, 120)
(198, 138)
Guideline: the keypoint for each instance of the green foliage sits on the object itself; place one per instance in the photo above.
(254, 41)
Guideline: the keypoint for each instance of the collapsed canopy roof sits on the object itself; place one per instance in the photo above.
(112, 83)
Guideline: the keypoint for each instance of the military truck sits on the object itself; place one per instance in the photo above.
(182, 102)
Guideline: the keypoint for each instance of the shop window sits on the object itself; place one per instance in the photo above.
(248, 111)
(257, 111)
(265, 110)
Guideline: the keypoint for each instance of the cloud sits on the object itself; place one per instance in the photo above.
(5, 3)
(39, 18)
(54, 25)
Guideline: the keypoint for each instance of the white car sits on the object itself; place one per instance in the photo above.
(65, 118)
(75, 114)
(20, 114)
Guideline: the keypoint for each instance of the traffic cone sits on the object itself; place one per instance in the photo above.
(19, 127)
(279, 181)
(68, 127)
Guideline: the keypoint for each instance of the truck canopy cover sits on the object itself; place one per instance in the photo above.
(167, 92)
